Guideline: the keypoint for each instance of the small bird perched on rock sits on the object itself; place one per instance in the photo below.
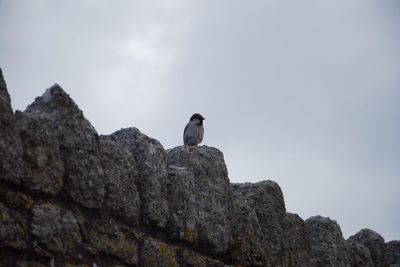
(194, 131)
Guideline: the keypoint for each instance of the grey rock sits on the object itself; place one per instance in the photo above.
(110, 239)
(298, 241)
(44, 167)
(360, 255)
(375, 243)
(183, 207)
(249, 248)
(120, 175)
(149, 156)
(20, 263)
(158, 254)
(189, 258)
(15, 200)
(13, 229)
(393, 253)
(84, 178)
(207, 194)
(11, 165)
(266, 199)
(55, 229)
(328, 248)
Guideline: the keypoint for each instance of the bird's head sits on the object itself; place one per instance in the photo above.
(197, 118)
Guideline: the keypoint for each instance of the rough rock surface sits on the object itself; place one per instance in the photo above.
(44, 167)
(360, 255)
(11, 165)
(266, 199)
(110, 239)
(199, 197)
(120, 175)
(375, 244)
(393, 253)
(71, 198)
(149, 156)
(298, 243)
(55, 229)
(249, 245)
(84, 178)
(328, 248)
(13, 229)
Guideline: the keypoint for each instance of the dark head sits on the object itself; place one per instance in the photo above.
(197, 118)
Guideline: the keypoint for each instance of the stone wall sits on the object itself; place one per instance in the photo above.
(69, 197)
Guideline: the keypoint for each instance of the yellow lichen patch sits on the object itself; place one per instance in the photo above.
(111, 246)
(189, 235)
(162, 249)
(167, 254)
(27, 201)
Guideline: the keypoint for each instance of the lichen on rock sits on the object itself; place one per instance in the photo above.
(71, 198)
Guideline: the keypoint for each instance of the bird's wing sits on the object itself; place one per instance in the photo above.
(185, 139)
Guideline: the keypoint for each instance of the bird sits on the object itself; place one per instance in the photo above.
(194, 130)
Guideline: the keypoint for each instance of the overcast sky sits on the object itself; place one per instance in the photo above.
(305, 93)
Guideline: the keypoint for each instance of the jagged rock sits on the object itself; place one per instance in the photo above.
(360, 255)
(393, 253)
(266, 199)
(13, 229)
(44, 167)
(19, 263)
(183, 215)
(208, 194)
(189, 258)
(328, 248)
(84, 178)
(375, 243)
(108, 238)
(11, 165)
(15, 200)
(68, 197)
(156, 253)
(120, 175)
(55, 229)
(298, 241)
(249, 246)
(160, 254)
(149, 156)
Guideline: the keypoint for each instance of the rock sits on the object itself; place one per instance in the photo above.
(392, 253)
(149, 157)
(70, 198)
(55, 229)
(18, 263)
(44, 167)
(16, 200)
(249, 248)
(120, 175)
(13, 229)
(190, 258)
(108, 238)
(158, 254)
(11, 165)
(183, 215)
(375, 243)
(298, 241)
(360, 255)
(328, 248)
(78, 140)
(206, 206)
(266, 199)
